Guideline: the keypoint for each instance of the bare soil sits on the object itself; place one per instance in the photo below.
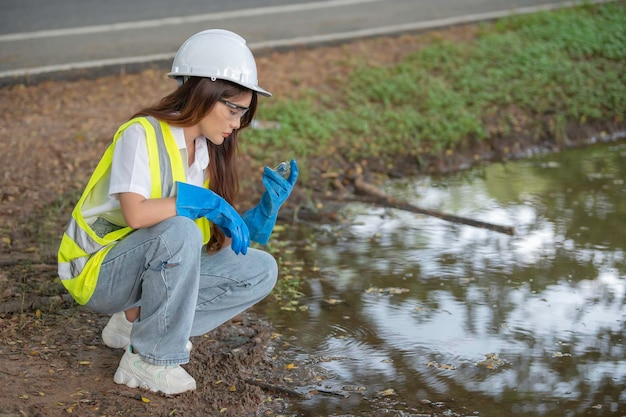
(52, 360)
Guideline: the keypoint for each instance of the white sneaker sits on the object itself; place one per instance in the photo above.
(134, 372)
(116, 334)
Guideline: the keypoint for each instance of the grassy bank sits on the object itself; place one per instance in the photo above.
(534, 77)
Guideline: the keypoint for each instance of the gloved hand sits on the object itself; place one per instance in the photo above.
(195, 202)
(262, 218)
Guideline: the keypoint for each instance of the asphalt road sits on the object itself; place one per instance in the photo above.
(43, 38)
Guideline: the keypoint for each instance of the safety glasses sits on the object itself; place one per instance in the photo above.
(234, 110)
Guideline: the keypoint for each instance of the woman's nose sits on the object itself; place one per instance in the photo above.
(235, 124)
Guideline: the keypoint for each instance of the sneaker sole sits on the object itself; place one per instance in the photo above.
(124, 378)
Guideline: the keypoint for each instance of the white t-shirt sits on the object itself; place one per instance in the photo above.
(130, 170)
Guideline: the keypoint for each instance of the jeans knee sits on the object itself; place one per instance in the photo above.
(182, 230)
(270, 267)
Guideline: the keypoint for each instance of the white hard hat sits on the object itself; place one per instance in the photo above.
(217, 54)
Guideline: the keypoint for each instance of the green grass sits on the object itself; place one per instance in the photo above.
(566, 65)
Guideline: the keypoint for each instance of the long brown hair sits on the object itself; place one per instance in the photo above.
(189, 104)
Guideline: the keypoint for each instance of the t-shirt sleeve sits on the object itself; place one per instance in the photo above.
(130, 170)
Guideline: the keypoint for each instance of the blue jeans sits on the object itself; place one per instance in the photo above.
(182, 290)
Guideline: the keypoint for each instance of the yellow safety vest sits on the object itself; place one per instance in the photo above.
(85, 242)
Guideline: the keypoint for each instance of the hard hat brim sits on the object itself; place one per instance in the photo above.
(256, 88)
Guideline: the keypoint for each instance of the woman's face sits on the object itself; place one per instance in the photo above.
(225, 117)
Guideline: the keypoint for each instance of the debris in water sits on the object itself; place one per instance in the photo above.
(441, 366)
(492, 361)
(389, 290)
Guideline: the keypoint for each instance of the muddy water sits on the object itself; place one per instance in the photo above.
(402, 309)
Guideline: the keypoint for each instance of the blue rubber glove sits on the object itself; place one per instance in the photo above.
(195, 202)
(262, 218)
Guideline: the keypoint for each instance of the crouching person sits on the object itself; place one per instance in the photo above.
(154, 239)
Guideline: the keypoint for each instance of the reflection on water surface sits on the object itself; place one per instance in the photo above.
(531, 324)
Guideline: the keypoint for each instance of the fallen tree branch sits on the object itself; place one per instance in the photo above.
(375, 195)
(34, 303)
(277, 388)
(332, 393)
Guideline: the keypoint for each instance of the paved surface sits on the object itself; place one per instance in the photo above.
(42, 38)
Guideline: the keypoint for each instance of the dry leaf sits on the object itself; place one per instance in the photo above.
(387, 392)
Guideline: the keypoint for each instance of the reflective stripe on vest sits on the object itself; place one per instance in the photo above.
(82, 251)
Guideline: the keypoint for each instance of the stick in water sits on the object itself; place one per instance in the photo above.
(379, 197)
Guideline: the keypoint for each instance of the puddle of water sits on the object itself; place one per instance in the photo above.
(416, 304)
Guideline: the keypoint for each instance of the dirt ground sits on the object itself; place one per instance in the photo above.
(52, 360)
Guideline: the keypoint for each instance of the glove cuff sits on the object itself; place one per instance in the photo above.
(259, 224)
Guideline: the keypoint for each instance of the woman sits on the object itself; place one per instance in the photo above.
(154, 239)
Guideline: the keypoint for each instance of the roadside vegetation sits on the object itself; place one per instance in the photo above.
(536, 76)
